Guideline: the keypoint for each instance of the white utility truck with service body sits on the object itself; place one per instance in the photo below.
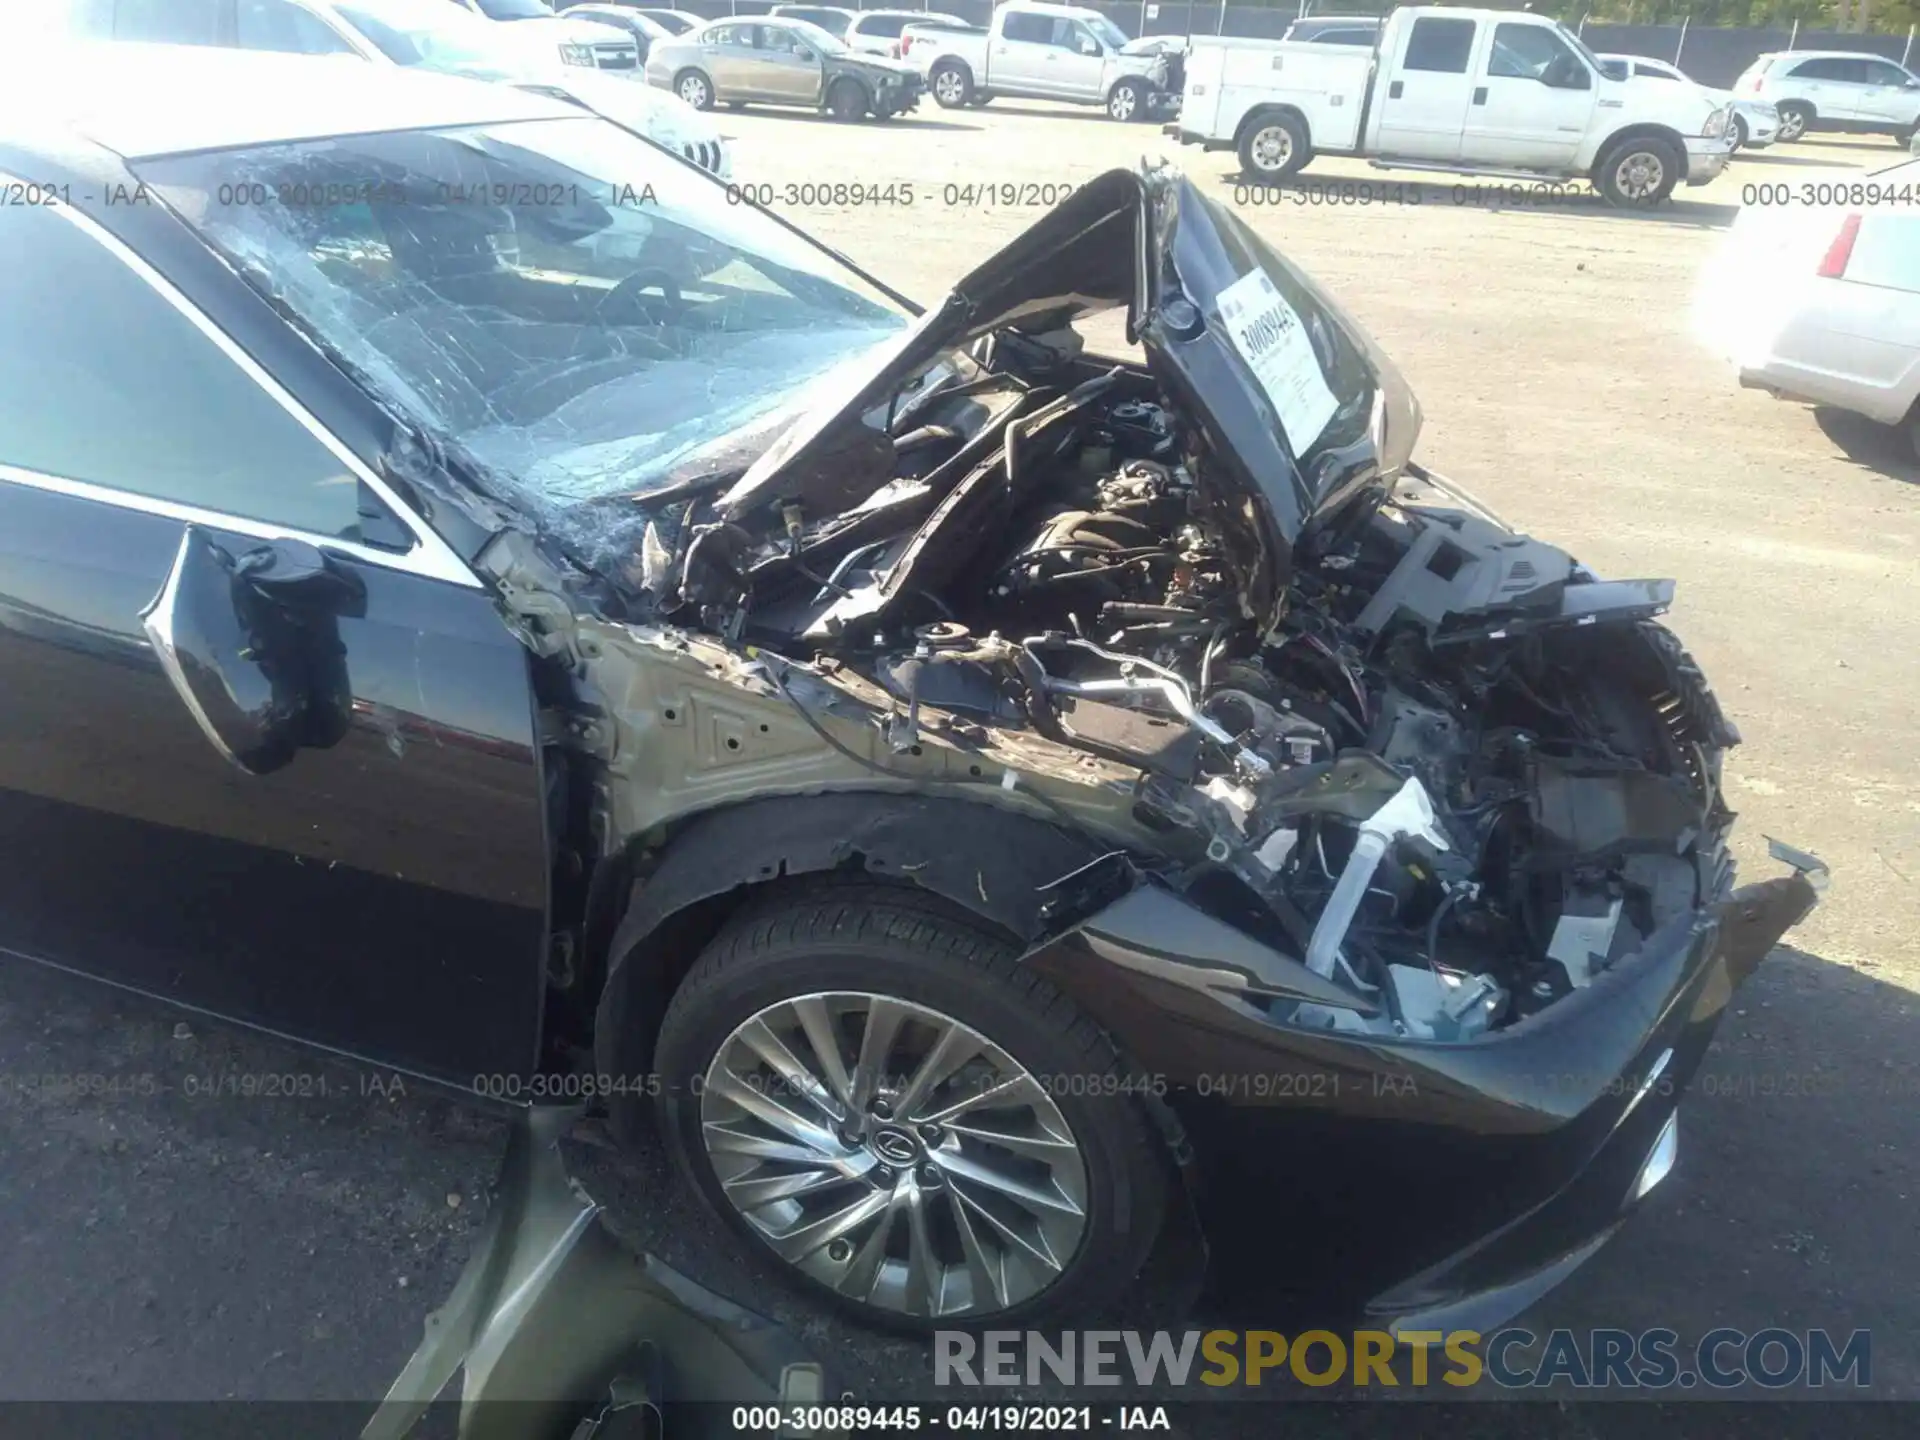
(1477, 92)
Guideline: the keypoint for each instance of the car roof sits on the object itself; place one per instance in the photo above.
(142, 101)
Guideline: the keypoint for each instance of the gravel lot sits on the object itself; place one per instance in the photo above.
(165, 1247)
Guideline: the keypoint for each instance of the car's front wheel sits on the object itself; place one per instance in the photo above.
(847, 100)
(863, 1082)
(1739, 132)
(1638, 174)
(1127, 101)
(694, 88)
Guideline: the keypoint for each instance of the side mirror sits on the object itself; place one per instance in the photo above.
(1090, 46)
(1566, 73)
(804, 53)
(252, 646)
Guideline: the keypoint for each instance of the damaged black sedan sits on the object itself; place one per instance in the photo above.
(995, 808)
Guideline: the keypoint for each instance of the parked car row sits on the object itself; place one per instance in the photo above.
(588, 65)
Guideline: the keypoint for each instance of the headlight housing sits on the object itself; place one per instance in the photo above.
(576, 55)
(1717, 123)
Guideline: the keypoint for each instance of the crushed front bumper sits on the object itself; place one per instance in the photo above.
(1706, 159)
(1348, 1178)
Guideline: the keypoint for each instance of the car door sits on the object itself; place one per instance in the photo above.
(786, 67)
(1428, 86)
(1888, 96)
(1021, 57)
(1533, 102)
(730, 60)
(1829, 84)
(1081, 61)
(381, 892)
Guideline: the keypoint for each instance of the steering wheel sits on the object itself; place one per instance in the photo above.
(631, 293)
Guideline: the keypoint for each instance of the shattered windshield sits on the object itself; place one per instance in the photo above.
(582, 313)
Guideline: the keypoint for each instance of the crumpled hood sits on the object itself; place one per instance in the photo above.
(1294, 408)
(877, 65)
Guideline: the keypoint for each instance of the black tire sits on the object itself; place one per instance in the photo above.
(1904, 138)
(1912, 428)
(1127, 102)
(1638, 174)
(1795, 120)
(847, 99)
(980, 99)
(952, 85)
(1739, 129)
(736, 104)
(695, 87)
(1273, 146)
(914, 948)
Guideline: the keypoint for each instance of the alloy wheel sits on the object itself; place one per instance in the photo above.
(693, 90)
(1272, 148)
(1120, 103)
(1639, 174)
(894, 1154)
(950, 87)
(1793, 124)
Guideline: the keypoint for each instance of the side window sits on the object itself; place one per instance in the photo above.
(283, 26)
(1439, 44)
(1071, 35)
(101, 380)
(1884, 72)
(720, 35)
(1523, 52)
(886, 26)
(1029, 27)
(1653, 72)
(168, 22)
(1831, 68)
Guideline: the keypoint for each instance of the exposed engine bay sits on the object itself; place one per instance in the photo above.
(1443, 765)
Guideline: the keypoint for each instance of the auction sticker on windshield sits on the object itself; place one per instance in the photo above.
(1267, 332)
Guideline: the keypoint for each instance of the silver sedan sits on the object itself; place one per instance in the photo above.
(781, 62)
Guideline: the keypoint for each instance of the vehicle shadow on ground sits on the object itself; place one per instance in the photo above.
(808, 117)
(1774, 156)
(1063, 112)
(1869, 444)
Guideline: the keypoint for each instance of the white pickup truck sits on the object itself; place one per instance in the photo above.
(1477, 92)
(1047, 52)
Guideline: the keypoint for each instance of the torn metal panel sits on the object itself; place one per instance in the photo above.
(558, 1318)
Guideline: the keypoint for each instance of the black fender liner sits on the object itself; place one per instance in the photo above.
(984, 858)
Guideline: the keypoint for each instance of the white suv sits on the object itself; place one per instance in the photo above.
(1835, 90)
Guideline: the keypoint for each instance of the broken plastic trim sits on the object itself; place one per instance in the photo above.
(558, 1315)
